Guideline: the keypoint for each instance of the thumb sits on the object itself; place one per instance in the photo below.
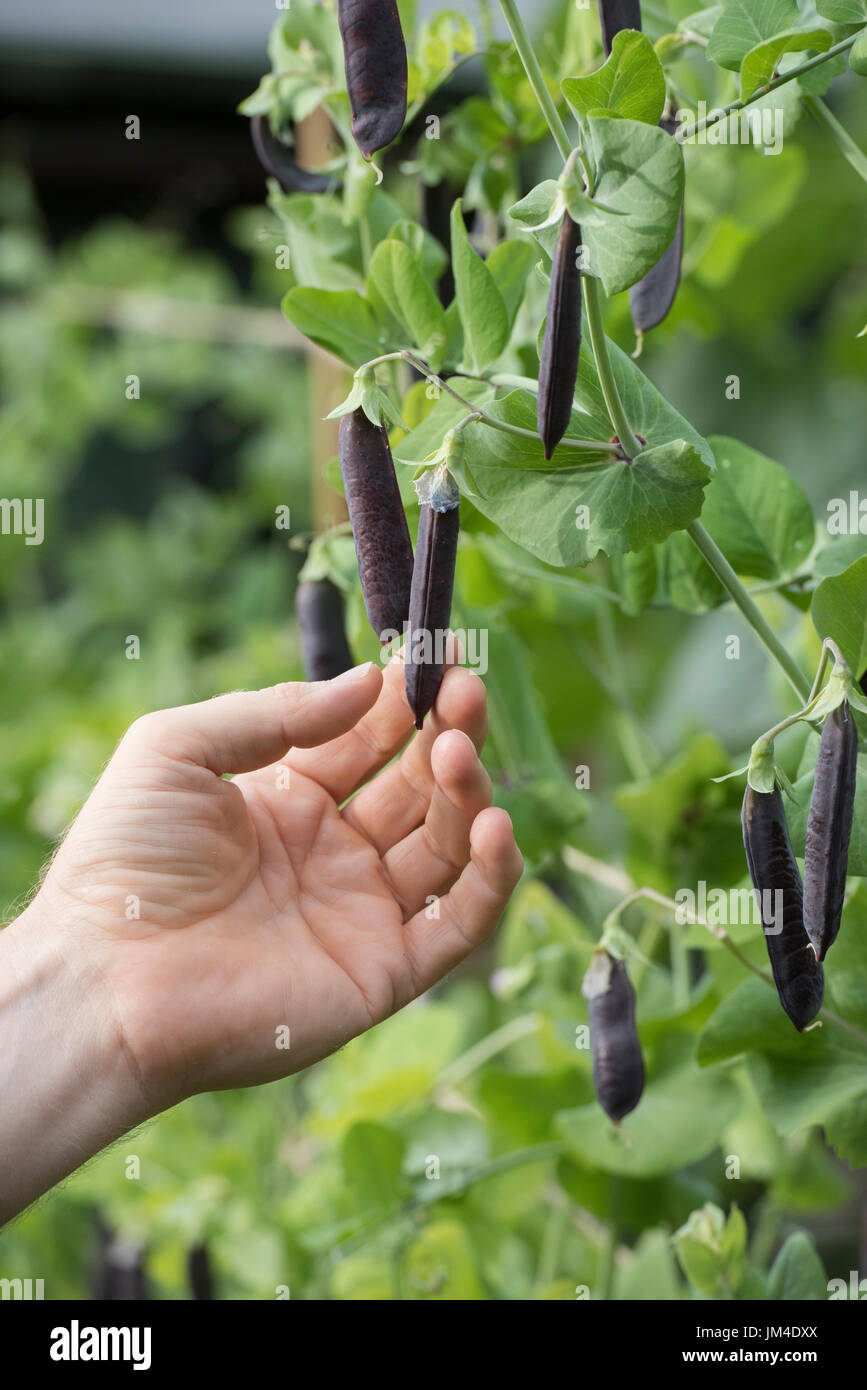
(250, 729)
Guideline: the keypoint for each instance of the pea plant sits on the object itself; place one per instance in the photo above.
(486, 394)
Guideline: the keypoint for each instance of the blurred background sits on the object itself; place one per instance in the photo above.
(154, 258)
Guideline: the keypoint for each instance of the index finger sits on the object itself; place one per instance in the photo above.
(347, 762)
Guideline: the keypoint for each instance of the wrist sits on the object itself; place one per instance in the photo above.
(67, 1081)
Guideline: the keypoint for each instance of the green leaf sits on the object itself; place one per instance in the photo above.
(456, 1141)
(798, 1272)
(537, 206)
(749, 1019)
(630, 83)
(362, 1278)
(759, 517)
(511, 264)
(744, 25)
(482, 309)
(636, 576)
(544, 814)
(385, 1071)
(838, 555)
(566, 515)
(398, 276)
(372, 1158)
(712, 1250)
(341, 321)
(650, 1267)
(320, 244)
(839, 610)
(639, 175)
(541, 210)
(843, 11)
(535, 504)
(677, 1122)
(812, 1078)
(441, 1265)
(423, 245)
(760, 64)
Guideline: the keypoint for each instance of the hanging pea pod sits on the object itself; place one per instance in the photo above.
(773, 868)
(829, 827)
(615, 15)
(382, 540)
(618, 1064)
(653, 295)
(376, 71)
(561, 346)
(430, 606)
(199, 1275)
(324, 648)
(277, 161)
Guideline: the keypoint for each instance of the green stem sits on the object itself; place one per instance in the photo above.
(839, 135)
(617, 414)
(632, 735)
(533, 69)
(711, 552)
(686, 133)
(651, 895)
(351, 1237)
(481, 1052)
(527, 54)
(584, 446)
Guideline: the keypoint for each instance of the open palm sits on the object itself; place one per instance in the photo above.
(243, 929)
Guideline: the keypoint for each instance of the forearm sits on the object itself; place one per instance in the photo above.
(66, 1089)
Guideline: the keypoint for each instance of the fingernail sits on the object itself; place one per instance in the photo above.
(356, 674)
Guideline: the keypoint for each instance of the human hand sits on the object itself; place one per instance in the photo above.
(205, 916)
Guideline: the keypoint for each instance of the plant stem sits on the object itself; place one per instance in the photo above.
(686, 133)
(595, 869)
(533, 69)
(481, 1052)
(586, 446)
(357, 1235)
(711, 552)
(839, 135)
(527, 54)
(622, 427)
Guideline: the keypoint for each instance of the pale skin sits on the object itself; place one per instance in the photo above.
(187, 921)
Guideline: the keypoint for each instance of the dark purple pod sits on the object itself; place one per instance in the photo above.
(382, 540)
(829, 827)
(430, 607)
(199, 1274)
(618, 1063)
(324, 648)
(376, 71)
(799, 978)
(561, 345)
(615, 15)
(653, 295)
(277, 161)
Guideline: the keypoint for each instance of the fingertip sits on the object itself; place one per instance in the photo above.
(492, 841)
(356, 675)
(453, 750)
(462, 703)
(330, 708)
